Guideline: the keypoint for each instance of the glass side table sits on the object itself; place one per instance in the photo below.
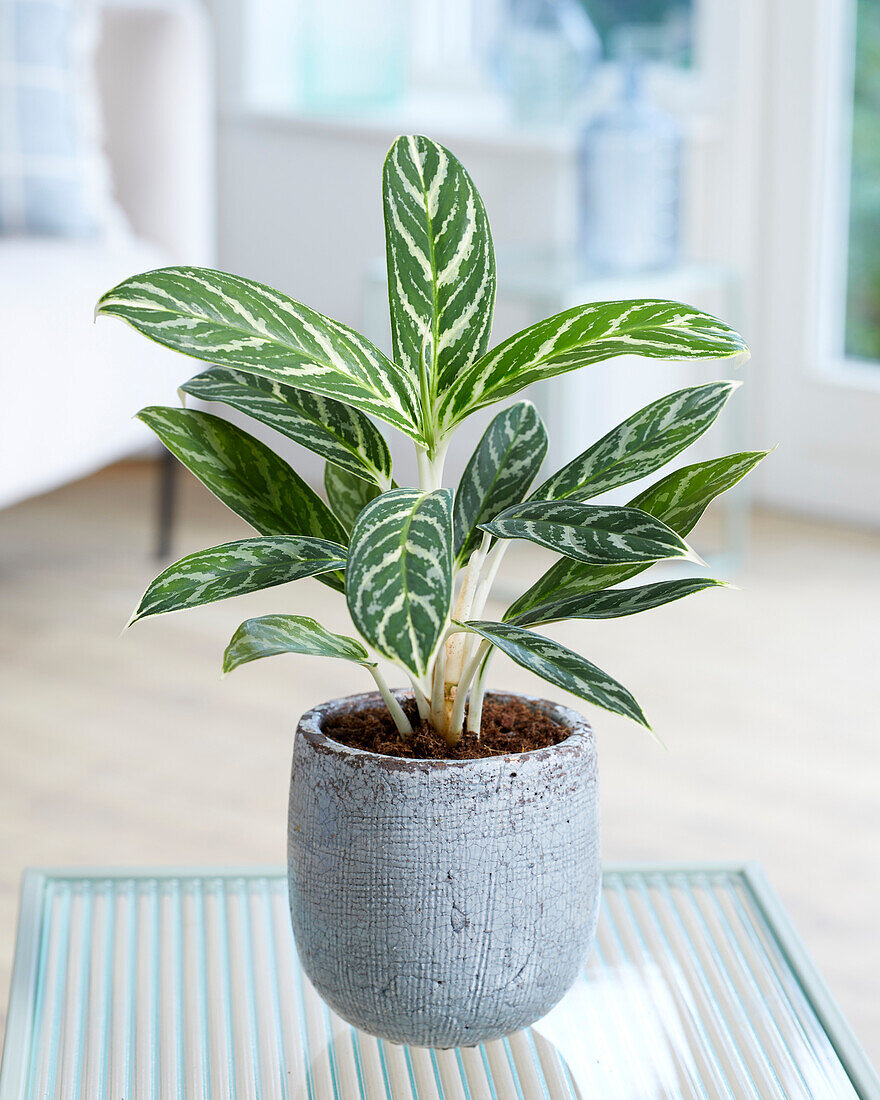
(144, 983)
(581, 406)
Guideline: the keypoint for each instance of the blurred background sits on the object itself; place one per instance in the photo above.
(726, 155)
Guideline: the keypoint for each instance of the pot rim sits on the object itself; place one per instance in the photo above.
(310, 727)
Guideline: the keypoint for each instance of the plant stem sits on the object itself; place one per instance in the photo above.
(457, 718)
(400, 719)
(478, 694)
(459, 643)
(438, 690)
(430, 465)
(485, 590)
(421, 699)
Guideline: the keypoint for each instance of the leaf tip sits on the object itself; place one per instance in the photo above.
(132, 619)
(696, 558)
(99, 307)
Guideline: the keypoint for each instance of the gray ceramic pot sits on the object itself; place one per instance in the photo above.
(442, 903)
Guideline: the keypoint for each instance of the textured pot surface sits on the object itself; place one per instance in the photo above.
(443, 903)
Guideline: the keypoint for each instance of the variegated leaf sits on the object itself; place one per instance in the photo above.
(641, 444)
(235, 568)
(399, 575)
(597, 534)
(441, 264)
(499, 472)
(233, 322)
(271, 635)
(560, 666)
(614, 603)
(246, 476)
(679, 499)
(588, 334)
(340, 434)
(348, 495)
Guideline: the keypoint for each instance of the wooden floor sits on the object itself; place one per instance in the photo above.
(131, 750)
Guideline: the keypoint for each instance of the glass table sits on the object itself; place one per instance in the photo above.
(144, 983)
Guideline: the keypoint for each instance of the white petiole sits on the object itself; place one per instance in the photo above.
(395, 709)
(461, 657)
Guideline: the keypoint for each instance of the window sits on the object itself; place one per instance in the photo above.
(862, 323)
(674, 17)
(322, 55)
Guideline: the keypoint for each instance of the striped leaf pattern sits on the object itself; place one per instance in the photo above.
(499, 472)
(614, 603)
(641, 444)
(441, 264)
(272, 635)
(233, 322)
(399, 574)
(587, 334)
(560, 666)
(337, 432)
(681, 497)
(348, 495)
(235, 568)
(596, 534)
(679, 500)
(246, 476)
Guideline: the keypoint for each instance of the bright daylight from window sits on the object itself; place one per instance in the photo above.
(863, 267)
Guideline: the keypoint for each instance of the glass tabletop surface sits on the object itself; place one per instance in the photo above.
(138, 983)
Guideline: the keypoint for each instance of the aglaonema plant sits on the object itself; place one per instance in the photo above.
(416, 565)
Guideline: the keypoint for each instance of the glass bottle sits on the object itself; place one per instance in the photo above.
(629, 167)
(545, 54)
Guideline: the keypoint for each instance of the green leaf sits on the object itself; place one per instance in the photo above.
(583, 335)
(593, 533)
(641, 444)
(348, 495)
(679, 499)
(236, 568)
(229, 321)
(441, 264)
(399, 575)
(498, 473)
(614, 603)
(335, 431)
(560, 666)
(246, 476)
(274, 634)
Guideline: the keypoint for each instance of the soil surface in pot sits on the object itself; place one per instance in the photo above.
(509, 726)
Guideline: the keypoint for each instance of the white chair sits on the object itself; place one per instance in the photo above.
(70, 387)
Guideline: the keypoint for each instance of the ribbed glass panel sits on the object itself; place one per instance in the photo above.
(156, 988)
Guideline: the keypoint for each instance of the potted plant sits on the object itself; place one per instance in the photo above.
(443, 842)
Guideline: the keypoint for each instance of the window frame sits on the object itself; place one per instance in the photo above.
(831, 265)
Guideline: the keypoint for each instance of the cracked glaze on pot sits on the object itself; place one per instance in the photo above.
(443, 903)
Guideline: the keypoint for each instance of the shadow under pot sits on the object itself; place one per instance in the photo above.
(443, 903)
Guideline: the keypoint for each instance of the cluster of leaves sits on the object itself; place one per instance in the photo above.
(416, 565)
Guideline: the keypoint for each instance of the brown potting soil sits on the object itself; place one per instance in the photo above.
(508, 726)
